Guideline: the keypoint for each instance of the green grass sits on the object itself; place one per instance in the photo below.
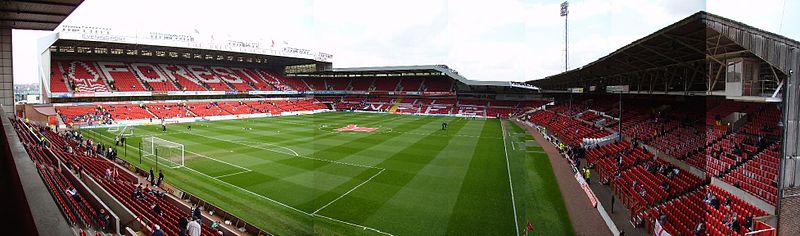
(296, 176)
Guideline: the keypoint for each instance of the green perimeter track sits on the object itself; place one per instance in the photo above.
(295, 175)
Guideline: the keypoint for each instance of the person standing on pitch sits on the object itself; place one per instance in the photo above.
(444, 125)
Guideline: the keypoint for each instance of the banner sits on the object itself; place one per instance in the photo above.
(659, 230)
(586, 189)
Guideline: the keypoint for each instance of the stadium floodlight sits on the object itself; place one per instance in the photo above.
(565, 13)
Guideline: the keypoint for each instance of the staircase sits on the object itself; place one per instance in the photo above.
(139, 79)
(396, 104)
(150, 112)
(168, 78)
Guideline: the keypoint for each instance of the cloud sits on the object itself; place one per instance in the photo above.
(484, 40)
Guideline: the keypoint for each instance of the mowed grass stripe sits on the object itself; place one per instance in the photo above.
(485, 187)
(427, 200)
(288, 179)
(420, 193)
(360, 206)
(346, 149)
(348, 144)
(296, 143)
(282, 220)
(262, 127)
(542, 203)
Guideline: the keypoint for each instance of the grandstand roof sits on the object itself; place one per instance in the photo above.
(695, 39)
(438, 69)
(36, 15)
(270, 60)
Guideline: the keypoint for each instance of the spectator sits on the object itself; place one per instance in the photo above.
(72, 192)
(748, 222)
(665, 186)
(103, 218)
(157, 231)
(708, 198)
(156, 208)
(698, 229)
(715, 203)
(182, 223)
(137, 192)
(193, 228)
(152, 177)
(727, 203)
(727, 220)
(734, 224)
(160, 178)
(197, 213)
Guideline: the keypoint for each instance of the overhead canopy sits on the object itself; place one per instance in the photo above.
(683, 56)
(35, 15)
(71, 49)
(425, 69)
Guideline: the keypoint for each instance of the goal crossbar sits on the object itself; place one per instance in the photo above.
(162, 148)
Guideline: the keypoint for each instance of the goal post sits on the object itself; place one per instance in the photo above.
(120, 130)
(158, 148)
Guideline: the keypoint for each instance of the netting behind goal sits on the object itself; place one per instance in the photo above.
(121, 131)
(164, 150)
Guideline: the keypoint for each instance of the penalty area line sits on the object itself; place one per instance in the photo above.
(348, 192)
(353, 224)
(232, 174)
(264, 197)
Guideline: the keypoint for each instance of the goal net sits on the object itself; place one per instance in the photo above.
(120, 131)
(163, 150)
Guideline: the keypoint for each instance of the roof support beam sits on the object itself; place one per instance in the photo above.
(679, 41)
(661, 54)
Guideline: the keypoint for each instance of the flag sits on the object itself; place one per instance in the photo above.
(659, 230)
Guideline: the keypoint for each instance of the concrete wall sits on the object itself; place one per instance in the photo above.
(789, 215)
(123, 213)
(44, 212)
(90, 197)
(6, 71)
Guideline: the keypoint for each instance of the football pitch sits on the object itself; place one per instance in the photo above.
(300, 175)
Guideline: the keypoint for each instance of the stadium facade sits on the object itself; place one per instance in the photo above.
(103, 77)
(699, 62)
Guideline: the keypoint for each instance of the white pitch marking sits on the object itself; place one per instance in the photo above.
(281, 203)
(348, 192)
(232, 174)
(508, 167)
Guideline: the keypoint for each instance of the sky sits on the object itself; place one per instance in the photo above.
(500, 40)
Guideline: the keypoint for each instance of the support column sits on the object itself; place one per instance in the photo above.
(789, 187)
(6, 72)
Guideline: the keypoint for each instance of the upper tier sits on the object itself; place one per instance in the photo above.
(91, 76)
